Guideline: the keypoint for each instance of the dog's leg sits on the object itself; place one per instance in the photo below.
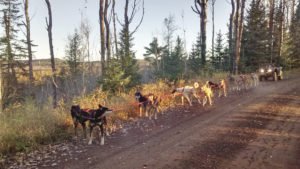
(102, 135)
(197, 97)
(209, 100)
(141, 110)
(75, 126)
(149, 110)
(84, 129)
(91, 135)
(204, 101)
(107, 133)
(188, 99)
(155, 113)
(146, 111)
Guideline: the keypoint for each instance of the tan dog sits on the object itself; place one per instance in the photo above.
(187, 92)
(208, 94)
(221, 87)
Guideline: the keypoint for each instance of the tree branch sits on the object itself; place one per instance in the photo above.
(136, 28)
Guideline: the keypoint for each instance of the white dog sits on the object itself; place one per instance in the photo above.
(187, 92)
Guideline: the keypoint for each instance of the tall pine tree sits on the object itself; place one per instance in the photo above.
(219, 62)
(255, 43)
(12, 48)
(194, 61)
(127, 58)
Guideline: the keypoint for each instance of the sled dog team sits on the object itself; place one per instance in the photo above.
(149, 104)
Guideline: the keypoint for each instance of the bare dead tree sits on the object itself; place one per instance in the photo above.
(107, 28)
(28, 40)
(200, 8)
(239, 19)
(231, 23)
(49, 29)
(85, 29)
(114, 25)
(236, 32)
(213, 27)
(128, 18)
(102, 34)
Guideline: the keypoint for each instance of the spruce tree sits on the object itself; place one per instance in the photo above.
(255, 41)
(127, 57)
(114, 79)
(174, 63)
(73, 52)
(194, 61)
(219, 53)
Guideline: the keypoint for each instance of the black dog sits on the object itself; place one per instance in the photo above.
(96, 117)
(148, 104)
(143, 102)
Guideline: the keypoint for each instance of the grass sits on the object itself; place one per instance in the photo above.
(25, 127)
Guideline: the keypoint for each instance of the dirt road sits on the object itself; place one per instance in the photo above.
(259, 128)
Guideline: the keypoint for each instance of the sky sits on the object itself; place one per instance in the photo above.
(67, 15)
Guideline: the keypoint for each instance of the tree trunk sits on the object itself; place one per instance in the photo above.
(213, 28)
(102, 35)
(115, 30)
(126, 32)
(1, 89)
(241, 27)
(236, 32)
(231, 51)
(49, 29)
(293, 5)
(271, 27)
(281, 26)
(203, 30)
(107, 28)
(28, 41)
(239, 19)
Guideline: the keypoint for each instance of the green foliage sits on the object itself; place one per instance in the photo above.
(175, 63)
(220, 60)
(12, 48)
(73, 52)
(154, 55)
(127, 58)
(255, 43)
(114, 79)
(194, 61)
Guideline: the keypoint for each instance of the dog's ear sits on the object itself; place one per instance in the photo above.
(100, 106)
